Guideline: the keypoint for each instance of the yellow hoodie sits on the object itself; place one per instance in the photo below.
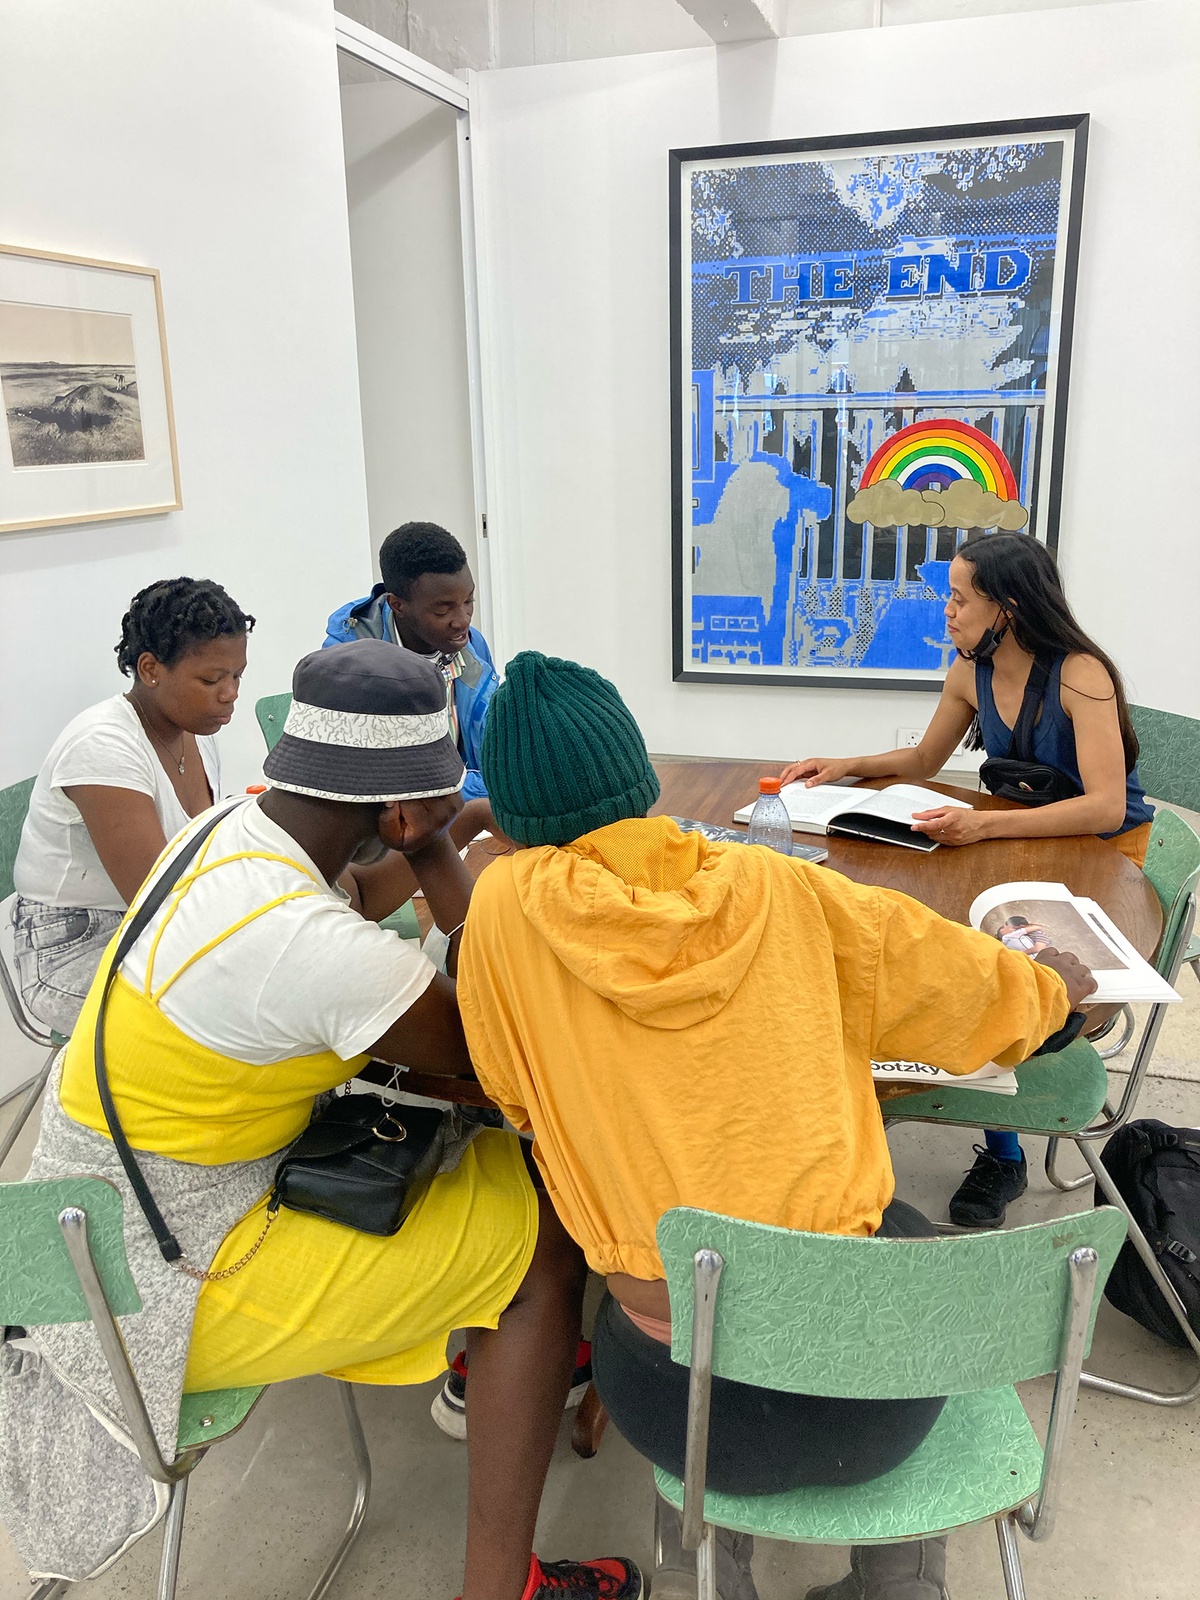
(687, 1023)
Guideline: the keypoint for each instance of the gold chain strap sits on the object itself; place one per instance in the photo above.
(228, 1272)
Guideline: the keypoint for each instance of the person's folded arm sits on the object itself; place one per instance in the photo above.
(125, 830)
(428, 1036)
(955, 998)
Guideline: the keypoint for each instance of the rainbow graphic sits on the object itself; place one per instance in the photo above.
(933, 454)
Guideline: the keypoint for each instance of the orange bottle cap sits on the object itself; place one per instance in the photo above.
(768, 786)
(256, 788)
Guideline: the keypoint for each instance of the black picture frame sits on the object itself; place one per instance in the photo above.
(1043, 470)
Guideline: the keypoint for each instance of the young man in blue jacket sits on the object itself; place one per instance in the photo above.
(425, 603)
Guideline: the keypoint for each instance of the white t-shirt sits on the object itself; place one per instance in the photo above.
(308, 975)
(106, 745)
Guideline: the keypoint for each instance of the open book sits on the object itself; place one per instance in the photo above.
(990, 1078)
(882, 815)
(1029, 917)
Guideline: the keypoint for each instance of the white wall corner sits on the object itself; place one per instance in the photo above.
(734, 21)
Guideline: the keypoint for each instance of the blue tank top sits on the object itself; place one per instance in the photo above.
(1053, 741)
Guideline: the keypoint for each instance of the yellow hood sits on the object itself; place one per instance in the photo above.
(662, 923)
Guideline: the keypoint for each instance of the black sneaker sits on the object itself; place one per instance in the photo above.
(988, 1189)
(449, 1408)
(612, 1578)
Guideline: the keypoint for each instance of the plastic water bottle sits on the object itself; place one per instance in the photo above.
(769, 821)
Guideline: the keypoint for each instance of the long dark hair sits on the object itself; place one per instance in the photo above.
(1018, 573)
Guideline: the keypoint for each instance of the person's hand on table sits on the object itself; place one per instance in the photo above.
(952, 825)
(1078, 978)
(814, 770)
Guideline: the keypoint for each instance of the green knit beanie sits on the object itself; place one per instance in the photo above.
(561, 753)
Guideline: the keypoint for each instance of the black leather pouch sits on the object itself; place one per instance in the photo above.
(362, 1163)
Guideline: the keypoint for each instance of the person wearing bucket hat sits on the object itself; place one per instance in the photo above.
(682, 1022)
(263, 987)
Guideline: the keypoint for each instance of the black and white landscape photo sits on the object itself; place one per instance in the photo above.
(70, 385)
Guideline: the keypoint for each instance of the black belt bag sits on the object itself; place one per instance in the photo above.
(361, 1163)
(1017, 776)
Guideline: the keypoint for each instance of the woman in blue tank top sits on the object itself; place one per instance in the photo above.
(1006, 608)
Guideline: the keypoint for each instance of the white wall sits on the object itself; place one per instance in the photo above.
(203, 140)
(572, 179)
(406, 251)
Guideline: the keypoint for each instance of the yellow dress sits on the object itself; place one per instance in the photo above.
(316, 1297)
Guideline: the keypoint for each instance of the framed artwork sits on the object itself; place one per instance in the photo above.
(870, 341)
(88, 433)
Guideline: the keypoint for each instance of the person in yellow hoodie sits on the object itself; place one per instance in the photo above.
(687, 1023)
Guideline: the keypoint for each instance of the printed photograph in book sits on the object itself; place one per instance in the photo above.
(870, 346)
(1035, 925)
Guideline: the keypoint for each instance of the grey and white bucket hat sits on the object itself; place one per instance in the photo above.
(367, 723)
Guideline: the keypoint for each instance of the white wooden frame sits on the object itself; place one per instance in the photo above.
(386, 57)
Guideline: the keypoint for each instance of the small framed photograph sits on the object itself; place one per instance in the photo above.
(870, 344)
(89, 433)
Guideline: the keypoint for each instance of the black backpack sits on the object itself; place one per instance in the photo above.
(1157, 1170)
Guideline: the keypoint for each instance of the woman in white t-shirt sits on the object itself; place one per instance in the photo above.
(120, 780)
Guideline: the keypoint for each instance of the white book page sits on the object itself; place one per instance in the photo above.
(898, 802)
(989, 1077)
(1000, 892)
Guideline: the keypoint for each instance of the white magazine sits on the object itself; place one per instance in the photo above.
(881, 815)
(990, 1078)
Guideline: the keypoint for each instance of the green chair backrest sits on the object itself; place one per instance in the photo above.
(14, 803)
(37, 1281)
(817, 1313)
(1169, 763)
(1173, 867)
(271, 712)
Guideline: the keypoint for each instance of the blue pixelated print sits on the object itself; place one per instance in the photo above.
(832, 302)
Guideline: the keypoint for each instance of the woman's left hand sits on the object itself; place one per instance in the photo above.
(952, 825)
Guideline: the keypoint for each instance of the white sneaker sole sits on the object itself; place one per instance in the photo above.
(453, 1422)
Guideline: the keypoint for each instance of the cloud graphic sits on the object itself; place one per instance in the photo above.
(963, 504)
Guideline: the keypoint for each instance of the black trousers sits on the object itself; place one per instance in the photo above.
(760, 1441)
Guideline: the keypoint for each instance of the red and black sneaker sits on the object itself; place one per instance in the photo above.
(611, 1578)
(449, 1408)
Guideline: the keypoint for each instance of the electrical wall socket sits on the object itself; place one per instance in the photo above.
(908, 738)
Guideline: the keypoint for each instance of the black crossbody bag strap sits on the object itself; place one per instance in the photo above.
(1021, 745)
(159, 890)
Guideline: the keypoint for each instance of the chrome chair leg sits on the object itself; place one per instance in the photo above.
(1138, 1240)
(13, 1132)
(1010, 1557)
(1128, 1023)
(51, 1589)
(362, 1492)
(706, 1564)
(1063, 1185)
(168, 1573)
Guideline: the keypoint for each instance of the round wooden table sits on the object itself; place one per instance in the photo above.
(947, 879)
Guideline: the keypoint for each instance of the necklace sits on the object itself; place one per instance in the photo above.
(166, 749)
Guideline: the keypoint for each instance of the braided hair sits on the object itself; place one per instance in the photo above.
(172, 616)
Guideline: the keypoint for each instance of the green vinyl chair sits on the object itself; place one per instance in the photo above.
(63, 1246)
(1169, 767)
(1065, 1096)
(271, 712)
(966, 1316)
(14, 803)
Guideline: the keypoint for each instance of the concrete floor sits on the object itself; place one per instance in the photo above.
(266, 1508)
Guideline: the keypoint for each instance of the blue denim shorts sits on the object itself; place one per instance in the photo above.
(58, 950)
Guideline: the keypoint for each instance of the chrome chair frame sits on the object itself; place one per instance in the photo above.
(1035, 1518)
(176, 1474)
(32, 1087)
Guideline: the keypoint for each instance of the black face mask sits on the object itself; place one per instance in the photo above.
(989, 643)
